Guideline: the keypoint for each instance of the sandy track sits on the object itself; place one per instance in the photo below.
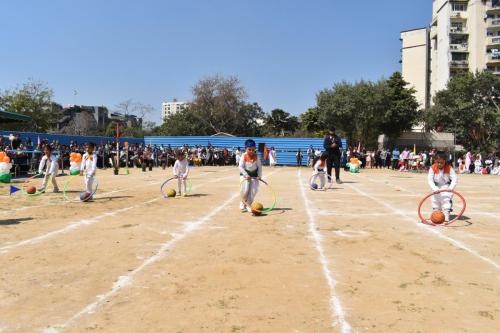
(133, 262)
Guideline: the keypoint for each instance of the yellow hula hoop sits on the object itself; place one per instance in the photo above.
(264, 211)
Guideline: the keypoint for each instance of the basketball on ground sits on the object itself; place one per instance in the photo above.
(84, 196)
(257, 208)
(31, 190)
(170, 192)
(437, 217)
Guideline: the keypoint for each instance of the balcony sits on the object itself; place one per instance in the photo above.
(459, 64)
(458, 30)
(459, 47)
(494, 40)
(493, 9)
(494, 23)
(458, 15)
(493, 71)
(494, 58)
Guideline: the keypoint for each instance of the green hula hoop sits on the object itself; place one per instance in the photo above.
(23, 188)
(264, 211)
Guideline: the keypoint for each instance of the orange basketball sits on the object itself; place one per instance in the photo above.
(437, 217)
(31, 189)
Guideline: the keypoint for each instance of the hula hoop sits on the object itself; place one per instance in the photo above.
(37, 193)
(264, 211)
(188, 189)
(429, 222)
(65, 189)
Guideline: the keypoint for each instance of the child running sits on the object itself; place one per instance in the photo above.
(89, 166)
(442, 176)
(181, 171)
(319, 171)
(250, 173)
(50, 165)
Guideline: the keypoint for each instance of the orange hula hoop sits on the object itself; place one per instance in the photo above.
(429, 222)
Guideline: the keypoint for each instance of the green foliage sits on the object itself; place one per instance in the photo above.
(363, 110)
(469, 107)
(310, 122)
(33, 99)
(279, 123)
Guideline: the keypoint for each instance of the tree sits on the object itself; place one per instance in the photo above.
(365, 109)
(33, 99)
(401, 110)
(217, 102)
(469, 108)
(310, 121)
(129, 107)
(280, 122)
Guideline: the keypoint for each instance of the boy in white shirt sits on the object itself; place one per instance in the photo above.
(89, 166)
(442, 176)
(250, 173)
(50, 165)
(181, 171)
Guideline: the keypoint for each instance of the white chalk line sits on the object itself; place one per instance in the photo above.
(83, 222)
(336, 309)
(126, 280)
(427, 228)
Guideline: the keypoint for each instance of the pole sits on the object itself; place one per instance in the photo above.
(118, 146)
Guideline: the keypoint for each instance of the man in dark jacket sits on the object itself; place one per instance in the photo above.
(332, 145)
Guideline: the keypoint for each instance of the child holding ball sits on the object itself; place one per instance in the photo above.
(181, 171)
(442, 176)
(250, 173)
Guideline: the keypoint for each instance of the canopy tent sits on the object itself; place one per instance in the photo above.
(12, 117)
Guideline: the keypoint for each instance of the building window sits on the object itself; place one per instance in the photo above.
(458, 7)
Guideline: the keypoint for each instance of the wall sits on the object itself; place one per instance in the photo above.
(414, 62)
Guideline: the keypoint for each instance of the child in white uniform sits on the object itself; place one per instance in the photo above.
(319, 171)
(250, 173)
(50, 165)
(89, 166)
(181, 171)
(442, 176)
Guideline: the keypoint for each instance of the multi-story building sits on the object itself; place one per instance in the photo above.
(464, 35)
(171, 108)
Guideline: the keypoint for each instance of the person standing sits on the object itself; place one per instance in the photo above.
(273, 160)
(395, 158)
(299, 157)
(332, 145)
(310, 155)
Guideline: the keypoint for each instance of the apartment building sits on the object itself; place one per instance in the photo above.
(464, 35)
(171, 108)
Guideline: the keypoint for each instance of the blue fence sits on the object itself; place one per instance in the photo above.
(286, 148)
(66, 139)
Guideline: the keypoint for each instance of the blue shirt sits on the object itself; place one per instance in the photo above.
(395, 154)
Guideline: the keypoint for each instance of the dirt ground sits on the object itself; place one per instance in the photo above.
(351, 259)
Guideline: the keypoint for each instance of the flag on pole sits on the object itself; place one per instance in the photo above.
(266, 153)
(14, 189)
(38, 141)
(414, 149)
(359, 146)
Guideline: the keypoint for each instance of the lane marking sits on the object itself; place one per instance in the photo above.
(127, 280)
(427, 228)
(337, 312)
(84, 222)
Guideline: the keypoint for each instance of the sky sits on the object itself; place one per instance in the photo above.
(283, 51)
